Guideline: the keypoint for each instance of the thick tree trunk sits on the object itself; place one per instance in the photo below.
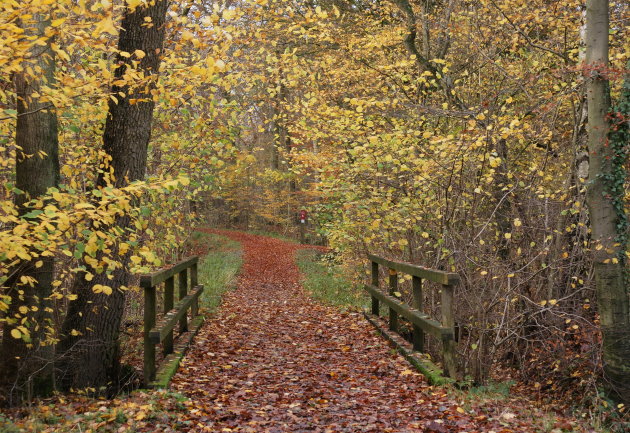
(27, 366)
(612, 292)
(91, 358)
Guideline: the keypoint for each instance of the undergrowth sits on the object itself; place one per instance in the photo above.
(327, 283)
(283, 237)
(218, 268)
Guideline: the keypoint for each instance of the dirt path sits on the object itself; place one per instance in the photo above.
(273, 360)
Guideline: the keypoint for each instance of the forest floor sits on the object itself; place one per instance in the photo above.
(273, 359)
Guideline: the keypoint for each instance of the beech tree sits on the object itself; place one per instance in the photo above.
(605, 198)
(26, 358)
(89, 346)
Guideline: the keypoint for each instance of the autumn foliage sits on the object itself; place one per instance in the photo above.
(445, 133)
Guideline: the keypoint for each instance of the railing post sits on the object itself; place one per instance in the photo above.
(183, 291)
(418, 333)
(393, 287)
(193, 283)
(149, 323)
(448, 321)
(375, 303)
(169, 302)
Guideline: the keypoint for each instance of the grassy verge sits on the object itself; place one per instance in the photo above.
(328, 284)
(275, 235)
(217, 269)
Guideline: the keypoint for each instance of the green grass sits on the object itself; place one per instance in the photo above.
(328, 284)
(273, 235)
(493, 391)
(217, 269)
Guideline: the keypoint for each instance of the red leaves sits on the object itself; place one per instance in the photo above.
(274, 360)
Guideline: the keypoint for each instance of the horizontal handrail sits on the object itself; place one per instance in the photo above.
(442, 277)
(166, 324)
(185, 273)
(155, 278)
(422, 320)
(443, 330)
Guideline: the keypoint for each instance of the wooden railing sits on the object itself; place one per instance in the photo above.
(161, 331)
(444, 330)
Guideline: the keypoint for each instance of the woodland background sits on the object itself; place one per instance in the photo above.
(449, 133)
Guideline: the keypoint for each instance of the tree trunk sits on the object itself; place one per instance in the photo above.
(91, 358)
(612, 292)
(26, 363)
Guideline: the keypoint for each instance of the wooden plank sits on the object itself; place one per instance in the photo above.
(183, 291)
(194, 310)
(434, 275)
(375, 304)
(149, 323)
(158, 277)
(434, 375)
(169, 365)
(448, 319)
(431, 326)
(393, 287)
(168, 322)
(169, 302)
(418, 333)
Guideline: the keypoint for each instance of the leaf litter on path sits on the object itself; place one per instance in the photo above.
(274, 360)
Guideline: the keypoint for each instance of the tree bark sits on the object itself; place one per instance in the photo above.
(26, 363)
(612, 292)
(91, 358)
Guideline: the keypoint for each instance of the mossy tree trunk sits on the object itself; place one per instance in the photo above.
(606, 210)
(26, 362)
(90, 358)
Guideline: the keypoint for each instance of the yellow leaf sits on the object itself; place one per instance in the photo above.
(123, 248)
(99, 288)
(187, 35)
(132, 4)
(105, 26)
(16, 334)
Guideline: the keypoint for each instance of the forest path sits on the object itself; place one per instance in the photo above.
(274, 360)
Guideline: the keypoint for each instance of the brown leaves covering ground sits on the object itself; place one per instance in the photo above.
(274, 360)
